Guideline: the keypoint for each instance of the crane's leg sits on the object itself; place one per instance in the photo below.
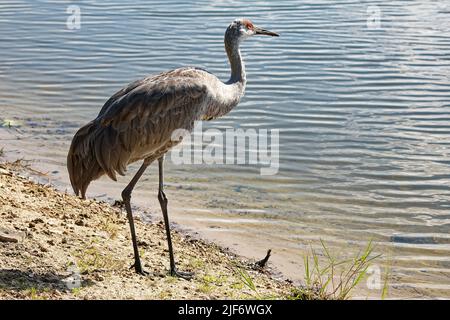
(126, 196)
(163, 202)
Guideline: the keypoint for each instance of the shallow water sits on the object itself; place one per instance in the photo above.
(363, 115)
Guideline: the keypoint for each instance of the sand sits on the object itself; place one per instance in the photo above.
(56, 246)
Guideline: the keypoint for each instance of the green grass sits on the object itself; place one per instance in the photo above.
(204, 288)
(237, 286)
(385, 291)
(91, 259)
(196, 263)
(36, 294)
(246, 281)
(110, 227)
(208, 283)
(76, 292)
(210, 279)
(334, 279)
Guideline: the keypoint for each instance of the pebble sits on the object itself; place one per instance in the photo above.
(10, 236)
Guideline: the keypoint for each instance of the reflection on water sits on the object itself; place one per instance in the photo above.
(363, 115)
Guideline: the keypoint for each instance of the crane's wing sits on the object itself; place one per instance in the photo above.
(138, 121)
(122, 92)
(162, 80)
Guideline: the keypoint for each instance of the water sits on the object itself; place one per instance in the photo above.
(363, 115)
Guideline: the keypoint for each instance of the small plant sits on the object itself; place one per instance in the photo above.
(335, 279)
(196, 263)
(210, 282)
(110, 227)
(91, 259)
(141, 252)
(35, 294)
(237, 285)
(247, 281)
(76, 292)
(165, 294)
(210, 279)
(384, 291)
(204, 288)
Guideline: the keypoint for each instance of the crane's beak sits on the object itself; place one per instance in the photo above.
(265, 32)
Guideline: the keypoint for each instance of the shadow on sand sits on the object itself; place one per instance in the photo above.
(21, 281)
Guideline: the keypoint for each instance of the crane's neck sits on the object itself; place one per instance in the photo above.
(228, 94)
(236, 62)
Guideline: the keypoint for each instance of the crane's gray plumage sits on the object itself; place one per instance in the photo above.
(137, 122)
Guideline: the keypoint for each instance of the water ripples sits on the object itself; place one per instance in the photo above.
(363, 114)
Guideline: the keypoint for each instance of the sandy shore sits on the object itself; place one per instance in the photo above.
(56, 246)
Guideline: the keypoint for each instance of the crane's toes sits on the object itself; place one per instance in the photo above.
(143, 273)
(139, 270)
(182, 274)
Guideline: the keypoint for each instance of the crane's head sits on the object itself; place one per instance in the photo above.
(241, 29)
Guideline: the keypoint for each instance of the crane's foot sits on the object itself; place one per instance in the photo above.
(181, 274)
(139, 270)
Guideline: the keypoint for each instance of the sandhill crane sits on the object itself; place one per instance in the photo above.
(137, 123)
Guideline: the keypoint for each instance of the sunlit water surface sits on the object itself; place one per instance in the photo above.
(363, 114)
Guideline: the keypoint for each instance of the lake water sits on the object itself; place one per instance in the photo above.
(362, 105)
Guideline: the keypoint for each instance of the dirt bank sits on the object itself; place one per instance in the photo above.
(56, 246)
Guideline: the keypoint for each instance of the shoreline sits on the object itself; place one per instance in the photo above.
(57, 246)
(206, 286)
(197, 220)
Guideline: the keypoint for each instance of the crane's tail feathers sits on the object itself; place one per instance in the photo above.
(96, 149)
(105, 139)
(82, 160)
